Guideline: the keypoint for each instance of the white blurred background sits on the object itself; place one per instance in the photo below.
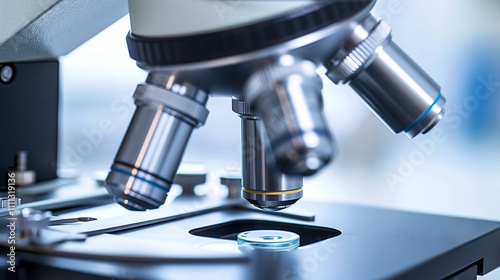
(454, 170)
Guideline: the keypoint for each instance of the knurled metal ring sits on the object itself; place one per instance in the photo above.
(241, 107)
(150, 93)
(352, 63)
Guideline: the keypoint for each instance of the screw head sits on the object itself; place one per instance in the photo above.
(6, 74)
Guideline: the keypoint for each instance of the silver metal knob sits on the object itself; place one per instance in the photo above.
(232, 180)
(23, 176)
(189, 176)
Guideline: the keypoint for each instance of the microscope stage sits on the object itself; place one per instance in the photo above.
(343, 242)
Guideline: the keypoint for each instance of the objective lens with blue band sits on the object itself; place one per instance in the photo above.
(139, 178)
(395, 88)
(422, 117)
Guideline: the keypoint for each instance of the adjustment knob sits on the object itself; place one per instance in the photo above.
(23, 176)
(189, 176)
(232, 180)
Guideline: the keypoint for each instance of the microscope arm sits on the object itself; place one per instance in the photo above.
(43, 30)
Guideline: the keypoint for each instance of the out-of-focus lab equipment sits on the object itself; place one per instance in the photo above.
(264, 58)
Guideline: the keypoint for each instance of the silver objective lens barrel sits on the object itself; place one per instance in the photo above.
(263, 185)
(146, 164)
(287, 97)
(403, 95)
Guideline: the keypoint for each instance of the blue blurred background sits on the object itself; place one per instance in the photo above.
(454, 170)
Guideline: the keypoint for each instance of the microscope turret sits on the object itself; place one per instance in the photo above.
(265, 54)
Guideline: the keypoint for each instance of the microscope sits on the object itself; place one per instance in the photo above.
(264, 57)
(268, 65)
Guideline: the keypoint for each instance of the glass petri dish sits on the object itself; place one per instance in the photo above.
(276, 240)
